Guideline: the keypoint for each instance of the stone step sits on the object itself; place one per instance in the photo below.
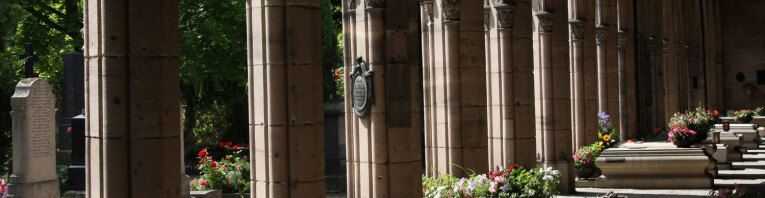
(741, 174)
(753, 157)
(748, 164)
(758, 151)
(757, 185)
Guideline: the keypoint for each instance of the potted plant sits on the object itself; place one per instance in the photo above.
(744, 115)
(682, 137)
(606, 133)
(229, 174)
(584, 161)
(699, 120)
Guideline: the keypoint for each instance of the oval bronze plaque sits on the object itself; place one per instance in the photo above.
(362, 89)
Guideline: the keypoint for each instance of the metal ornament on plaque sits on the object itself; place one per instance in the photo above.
(362, 89)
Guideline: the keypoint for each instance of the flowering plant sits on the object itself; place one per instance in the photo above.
(585, 156)
(744, 115)
(513, 181)
(3, 188)
(339, 77)
(681, 133)
(737, 191)
(699, 120)
(229, 174)
(606, 133)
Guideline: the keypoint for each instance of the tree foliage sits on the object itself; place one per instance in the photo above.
(213, 53)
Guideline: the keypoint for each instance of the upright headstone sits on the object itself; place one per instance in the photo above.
(34, 146)
(72, 96)
(77, 168)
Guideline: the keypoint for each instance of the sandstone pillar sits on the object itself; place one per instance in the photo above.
(509, 97)
(458, 69)
(626, 69)
(384, 147)
(552, 92)
(601, 36)
(132, 133)
(285, 98)
(670, 69)
(576, 50)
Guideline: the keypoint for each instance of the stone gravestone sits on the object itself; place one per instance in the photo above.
(72, 96)
(34, 146)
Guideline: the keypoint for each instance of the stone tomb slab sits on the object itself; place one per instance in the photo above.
(34, 152)
(654, 165)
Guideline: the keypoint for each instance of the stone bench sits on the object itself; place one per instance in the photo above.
(755, 120)
(654, 165)
(749, 136)
(728, 150)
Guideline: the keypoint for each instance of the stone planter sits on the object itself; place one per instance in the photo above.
(235, 195)
(585, 173)
(683, 143)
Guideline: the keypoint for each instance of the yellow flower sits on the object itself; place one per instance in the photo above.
(600, 144)
(606, 137)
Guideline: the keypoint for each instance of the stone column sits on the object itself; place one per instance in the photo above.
(428, 83)
(460, 90)
(626, 69)
(577, 83)
(285, 99)
(384, 147)
(670, 62)
(132, 132)
(601, 36)
(509, 98)
(622, 62)
(552, 92)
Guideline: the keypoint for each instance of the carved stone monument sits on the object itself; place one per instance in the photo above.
(362, 89)
(34, 146)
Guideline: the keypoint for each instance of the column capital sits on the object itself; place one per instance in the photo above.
(621, 40)
(577, 29)
(486, 17)
(545, 21)
(351, 4)
(505, 15)
(375, 3)
(451, 9)
(601, 34)
(427, 6)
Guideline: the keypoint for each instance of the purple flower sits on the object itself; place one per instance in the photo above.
(603, 119)
(545, 177)
(555, 172)
(505, 189)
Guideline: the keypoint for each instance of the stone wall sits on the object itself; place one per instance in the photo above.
(742, 27)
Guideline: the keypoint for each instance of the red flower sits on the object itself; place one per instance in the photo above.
(229, 143)
(245, 157)
(203, 153)
(236, 147)
(213, 164)
(657, 129)
(222, 144)
(69, 129)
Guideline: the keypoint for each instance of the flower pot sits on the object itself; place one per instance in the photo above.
(745, 119)
(592, 172)
(684, 143)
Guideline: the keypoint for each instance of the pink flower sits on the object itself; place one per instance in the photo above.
(239, 166)
(224, 167)
(493, 187)
(193, 181)
(202, 182)
(576, 157)
(499, 179)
